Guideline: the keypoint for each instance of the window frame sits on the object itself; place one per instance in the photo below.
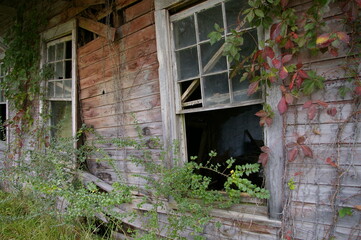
(52, 35)
(6, 103)
(174, 121)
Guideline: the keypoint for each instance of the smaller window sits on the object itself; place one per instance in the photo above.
(60, 86)
(3, 106)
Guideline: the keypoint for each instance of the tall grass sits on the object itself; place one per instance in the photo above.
(24, 217)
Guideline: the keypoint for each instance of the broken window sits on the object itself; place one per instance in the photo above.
(217, 112)
(201, 68)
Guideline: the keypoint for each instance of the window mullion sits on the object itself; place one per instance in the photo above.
(230, 87)
(201, 79)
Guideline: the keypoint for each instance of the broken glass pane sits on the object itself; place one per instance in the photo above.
(250, 43)
(61, 119)
(187, 63)
(184, 32)
(68, 52)
(59, 72)
(207, 19)
(234, 9)
(240, 90)
(50, 89)
(59, 86)
(67, 69)
(51, 53)
(212, 57)
(216, 90)
(60, 51)
(67, 88)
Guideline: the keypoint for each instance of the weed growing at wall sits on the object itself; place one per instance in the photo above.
(177, 199)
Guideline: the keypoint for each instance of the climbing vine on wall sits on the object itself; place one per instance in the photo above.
(279, 62)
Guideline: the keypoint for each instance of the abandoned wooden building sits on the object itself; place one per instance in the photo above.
(117, 61)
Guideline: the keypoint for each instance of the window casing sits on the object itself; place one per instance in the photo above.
(59, 58)
(174, 114)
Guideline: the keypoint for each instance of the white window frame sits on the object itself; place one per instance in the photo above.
(58, 32)
(174, 123)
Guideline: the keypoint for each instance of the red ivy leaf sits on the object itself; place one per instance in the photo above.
(343, 37)
(283, 72)
(269, 121)
(272, 79)
(358, 90)
(289, 44)
(266, 65)
(307, 151)
(302, 73)
(269, 52)
(276, 30)
(265, 149)
(292, 154)
(324, 40)
(284, 3)
(358, 2)
(276, 63)
(282, 105)
(333, 51)
(301, 140)
(261, 113)
(329, 161)
(262, 122)
(307, 104)
(293, 80)
(291, 145)
(332, 111)
(278, 39)
(263, 158)
(286, 58)
(298, 173)
(321, 103)
(252, 88)
(312, 112)
(289, 98)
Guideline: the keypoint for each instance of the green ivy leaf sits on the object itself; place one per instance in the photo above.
(250, 16)
(259, 13)
(345, 211)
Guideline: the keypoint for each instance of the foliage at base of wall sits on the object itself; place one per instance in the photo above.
(52, 173)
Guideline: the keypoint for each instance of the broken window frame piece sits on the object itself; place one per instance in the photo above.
(227, 95)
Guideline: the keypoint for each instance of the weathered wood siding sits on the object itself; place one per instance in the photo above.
(118, 86)
(311, 210)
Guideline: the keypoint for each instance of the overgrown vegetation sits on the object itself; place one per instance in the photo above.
(24, 216)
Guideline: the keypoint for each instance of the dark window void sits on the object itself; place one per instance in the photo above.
(233, 132)
(2, 121)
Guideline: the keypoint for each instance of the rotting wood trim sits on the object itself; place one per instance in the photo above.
(97, 27)
(87, 3)
(191, 103)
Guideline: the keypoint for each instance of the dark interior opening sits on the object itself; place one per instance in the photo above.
(2, 121)
(233, 132)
